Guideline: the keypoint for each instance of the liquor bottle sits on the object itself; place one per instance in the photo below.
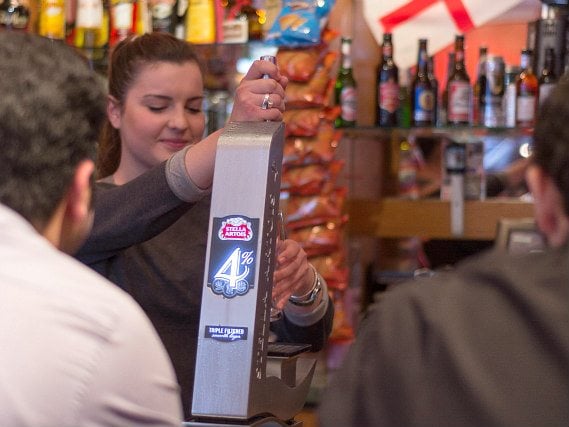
(235, 23)
(422, 94)
(435, 85)
(201, 22)
(51, 20)
(444, 95)
(387, 86)
(255, 17)
(548, 77)
(404, 110)
(123, 20)
(345, 88)
(163, 15)
(14, 15)
(143, 17)
(478, 87)
(459, 110)
(181, 17)
(92, 29)
(526, 92)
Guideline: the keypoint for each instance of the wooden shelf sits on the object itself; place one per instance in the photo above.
(462, 132)
(430, 218)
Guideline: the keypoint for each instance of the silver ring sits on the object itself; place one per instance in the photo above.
(267, 103)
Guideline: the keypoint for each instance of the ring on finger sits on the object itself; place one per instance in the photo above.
(267, 103)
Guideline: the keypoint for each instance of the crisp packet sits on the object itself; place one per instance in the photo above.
(297, 25)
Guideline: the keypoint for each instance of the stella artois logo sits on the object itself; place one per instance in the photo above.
(236, 229)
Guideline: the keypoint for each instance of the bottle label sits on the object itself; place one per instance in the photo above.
(52, 19)
(458, 102)
(348, 104)
(89, 14)
(525, 108)
(122, 13)
(163, 15)
(235, 31)
(424, 105)
(388, 96)
(200, 22)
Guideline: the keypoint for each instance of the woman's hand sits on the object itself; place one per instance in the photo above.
(293, 275)
(251, 92)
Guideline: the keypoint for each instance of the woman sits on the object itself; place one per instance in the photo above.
(151, 206)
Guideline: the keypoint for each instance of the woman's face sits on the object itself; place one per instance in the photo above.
(161, 114)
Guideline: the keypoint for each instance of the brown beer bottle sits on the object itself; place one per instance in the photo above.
(435, 85)
(479, 86)
(547, 78)
(444, 95)
(387, 86)
(458, 87)
(422, 92)
(526, 92)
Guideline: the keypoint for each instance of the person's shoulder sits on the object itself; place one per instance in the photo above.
(490, 275)
(84, 292)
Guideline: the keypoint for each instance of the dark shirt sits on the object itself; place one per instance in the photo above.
(484, 345)
(153, 246)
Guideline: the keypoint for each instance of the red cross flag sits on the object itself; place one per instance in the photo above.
(437, 20)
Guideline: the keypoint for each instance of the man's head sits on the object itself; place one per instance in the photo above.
(51, 111)
(548, 174)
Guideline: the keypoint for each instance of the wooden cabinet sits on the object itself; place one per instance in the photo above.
(375, 210)
(381, 223)
(430, 218)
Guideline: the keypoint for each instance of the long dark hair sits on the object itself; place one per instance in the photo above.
(127, 59)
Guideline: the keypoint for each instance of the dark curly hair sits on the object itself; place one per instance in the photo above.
(51, 112)
(551, 139)
(127, 59)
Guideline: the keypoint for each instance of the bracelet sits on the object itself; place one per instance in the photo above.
(310, 296)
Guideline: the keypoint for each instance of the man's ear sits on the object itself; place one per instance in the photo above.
(78, 216)
(548, 206)
(114, 111)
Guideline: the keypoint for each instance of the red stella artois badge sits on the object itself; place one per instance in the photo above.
(235, 229)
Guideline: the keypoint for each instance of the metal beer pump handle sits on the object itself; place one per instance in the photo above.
(236, 380)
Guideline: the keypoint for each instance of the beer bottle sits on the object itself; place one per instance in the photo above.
(435, 85)
(51, 20)
(479, 86)
(345, 88)
(526, 92)
(91, 29)
(123, 20)
(14, 15)
(163, 15)
(201, 22)
(143, 17)
(444, 95)
(458, 87)
(548, 78)
(404, 110)
(387, 86)
(422, 94)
